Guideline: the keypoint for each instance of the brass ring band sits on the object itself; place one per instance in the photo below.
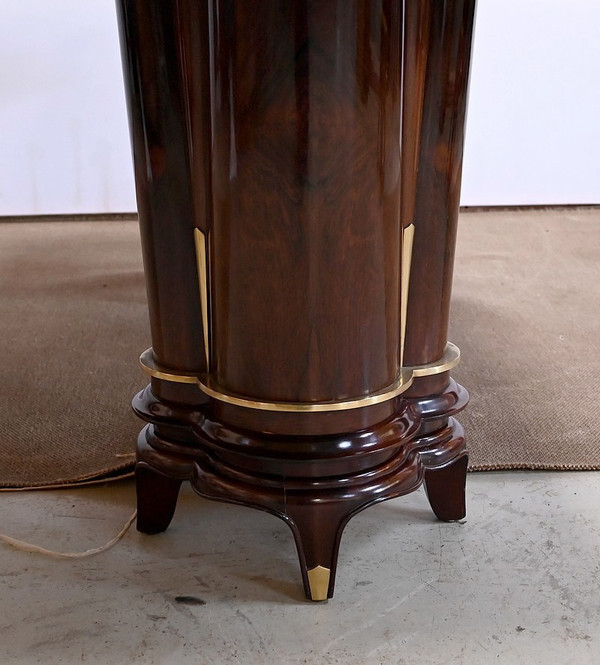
(402, 383)
(448, 361)
(405, 378)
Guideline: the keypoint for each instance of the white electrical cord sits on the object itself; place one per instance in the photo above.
(28, 547)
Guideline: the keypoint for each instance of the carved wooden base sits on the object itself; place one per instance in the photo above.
(314, 484)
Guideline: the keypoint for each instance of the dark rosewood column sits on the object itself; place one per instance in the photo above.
(443, 58)
(286, 155)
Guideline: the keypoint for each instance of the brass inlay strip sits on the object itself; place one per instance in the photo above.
(150, 366)
(318, 581)
(402, 383)
(450, 359)
(408, 237)
(201, 241)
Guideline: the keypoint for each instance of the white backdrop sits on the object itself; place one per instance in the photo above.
(533, 134)
(63, 122)
(533, 130)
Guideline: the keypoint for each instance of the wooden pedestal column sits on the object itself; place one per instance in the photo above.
(298, 172)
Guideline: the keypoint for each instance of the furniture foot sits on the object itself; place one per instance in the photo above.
(156, 499)
(445, 488)
(442, 448)
(317, 532)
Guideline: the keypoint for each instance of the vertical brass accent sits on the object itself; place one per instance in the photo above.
(408, 237)
(201, 241)
(318, 581)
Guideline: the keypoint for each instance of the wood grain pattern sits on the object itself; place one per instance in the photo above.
(159, 100)
(306, 190)
(439, 177)
(301, 139)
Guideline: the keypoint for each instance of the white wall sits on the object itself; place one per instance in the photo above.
(533, 131)
(64, 142)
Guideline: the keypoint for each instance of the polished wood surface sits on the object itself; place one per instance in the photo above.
(314, 484)
(439, 177)
(170, 205)
(302, 178)
(306, 191)
(301, 140)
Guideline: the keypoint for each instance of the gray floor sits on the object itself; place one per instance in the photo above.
(516, 583)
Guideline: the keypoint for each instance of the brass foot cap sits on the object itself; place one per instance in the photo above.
(318, 581)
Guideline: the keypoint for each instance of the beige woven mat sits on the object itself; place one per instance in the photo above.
(526, 313)
(73, 320)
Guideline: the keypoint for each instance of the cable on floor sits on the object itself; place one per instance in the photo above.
(28, 547)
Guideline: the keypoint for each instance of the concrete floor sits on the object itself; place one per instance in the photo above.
(518, 582)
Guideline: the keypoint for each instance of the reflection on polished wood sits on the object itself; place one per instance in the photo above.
(448, 361)
(283, 158)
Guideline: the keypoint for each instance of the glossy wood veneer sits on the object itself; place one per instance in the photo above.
(301, 140)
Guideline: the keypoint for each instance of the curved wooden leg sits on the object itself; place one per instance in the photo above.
(445, 489)
(156, 499)
(317, 531)
(442, 449)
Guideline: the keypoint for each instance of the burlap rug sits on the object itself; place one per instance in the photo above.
(73, 320)
(526, 314)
